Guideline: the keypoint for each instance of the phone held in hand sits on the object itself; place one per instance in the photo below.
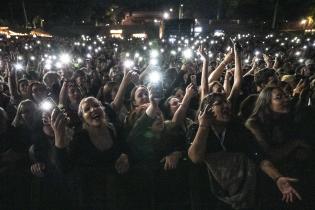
(157, 90)
(238, 46)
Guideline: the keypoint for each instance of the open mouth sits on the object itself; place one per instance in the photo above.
(95, 116)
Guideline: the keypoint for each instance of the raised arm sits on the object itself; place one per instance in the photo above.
(237, 74)
(63, 93)
(180, 114)
(204, 73)
(197, 150)
(215, 75)
(119, 98)
(227, 81)
(12, 82)
(253, 69)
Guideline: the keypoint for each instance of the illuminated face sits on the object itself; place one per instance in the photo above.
(221, 111)
(279, 101)
(141, 96)
(74, 95)
(93, 113)
(23, 86)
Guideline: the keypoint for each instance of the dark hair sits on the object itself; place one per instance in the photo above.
(106, 95)
(19, 82)
(41, 85)
(167, 107)
(212, 84)
(132, 95)
(262, 110)
(262, 76)
(210, 99)
(78, 73)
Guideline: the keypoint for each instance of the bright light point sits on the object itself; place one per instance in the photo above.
(32, 58)
(257, 53)
(155, 77)
(48, 45)
(46, 106)
(166, 15)
(79, 60)
(154, 61)
(89, 47)
(298, 53)
(137, 55)
(128, 63)
(154, 53)
(88, 55)
(127, 55)
(162, 50)
(20, 58)
(172, 40)
(18, 66)
(246, 60)
(145, 48)
(277, 54)
(173, 52)
(187, 54)
(301, 60)
(228, 48)
(65, 58)
(58, 65)
(171, 10)
(198, 29)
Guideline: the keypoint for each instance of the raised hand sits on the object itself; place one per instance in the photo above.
(204, 116)
(58, 124)
(229, 57)
(203, 53)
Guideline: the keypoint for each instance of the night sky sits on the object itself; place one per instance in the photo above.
(54, 11)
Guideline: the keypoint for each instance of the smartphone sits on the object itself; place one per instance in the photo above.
(48, 105)
(157, 90)
(238, 46)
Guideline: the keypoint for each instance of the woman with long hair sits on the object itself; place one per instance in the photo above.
(95, 155)
(273, 123)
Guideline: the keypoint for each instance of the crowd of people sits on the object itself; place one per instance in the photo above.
(208, 122)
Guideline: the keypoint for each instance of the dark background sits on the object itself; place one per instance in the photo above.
(74, 11)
